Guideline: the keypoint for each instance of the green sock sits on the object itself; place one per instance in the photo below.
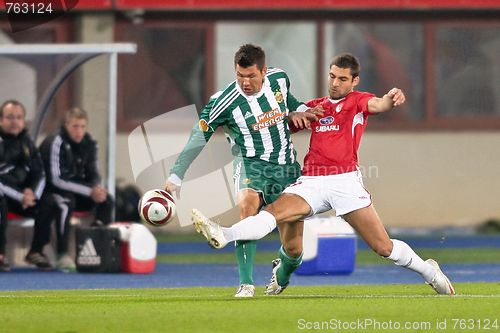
(287, 267)
(245, 254)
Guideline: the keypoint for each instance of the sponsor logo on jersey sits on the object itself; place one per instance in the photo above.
(203, 125)
(326, 120)
(248, 115)
(88, 255)
(326, 125)
(279, 96)
(268, 119)
(327, 128)
(339, 107)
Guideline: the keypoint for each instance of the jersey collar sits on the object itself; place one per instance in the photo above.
(335, 101)
(265, 85)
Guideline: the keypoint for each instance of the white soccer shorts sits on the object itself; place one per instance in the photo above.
(343, 193)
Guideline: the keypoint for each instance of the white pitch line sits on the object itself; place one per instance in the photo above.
(392, 296)
(117, 296)
(222, 297)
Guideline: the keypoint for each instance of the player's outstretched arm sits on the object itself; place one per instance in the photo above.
(393, 98)
(301, 120)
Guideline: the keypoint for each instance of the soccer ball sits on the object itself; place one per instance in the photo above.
(157, 207)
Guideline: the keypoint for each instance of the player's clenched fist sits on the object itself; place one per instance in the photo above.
(397, 95)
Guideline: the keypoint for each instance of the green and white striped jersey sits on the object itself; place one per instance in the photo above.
(256, 125)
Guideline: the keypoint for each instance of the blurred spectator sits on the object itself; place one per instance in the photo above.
(22, 181)
(73, 180)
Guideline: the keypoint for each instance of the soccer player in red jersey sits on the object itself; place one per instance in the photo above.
(331, 180)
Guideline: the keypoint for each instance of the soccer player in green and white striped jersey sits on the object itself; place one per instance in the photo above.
(254, 113)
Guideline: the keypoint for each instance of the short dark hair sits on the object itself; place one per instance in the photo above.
(347, 60)
(13, 102)
(249, 55)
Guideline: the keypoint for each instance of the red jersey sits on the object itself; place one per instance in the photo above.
(335, 137)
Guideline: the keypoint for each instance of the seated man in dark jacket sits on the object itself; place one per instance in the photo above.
(73, 181)
(22, 181)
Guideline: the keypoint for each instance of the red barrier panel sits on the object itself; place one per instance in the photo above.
(310, 4)
(34, 7)
(264, 4)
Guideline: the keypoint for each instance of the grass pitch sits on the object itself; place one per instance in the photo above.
(386, 308)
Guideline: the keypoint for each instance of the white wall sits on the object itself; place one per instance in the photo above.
(434, 179)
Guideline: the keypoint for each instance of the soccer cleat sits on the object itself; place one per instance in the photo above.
(65, 263)
(245, 290)
(211, 230)
(273, 288)
(440, 282)
(39, 260)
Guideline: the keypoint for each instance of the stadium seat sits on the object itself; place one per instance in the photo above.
(81, 214)
(20, 220)
(20, 235)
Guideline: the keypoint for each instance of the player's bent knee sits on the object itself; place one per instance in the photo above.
(293, 250)
(278, 213)
(249, 204)
(286, 209)
(383, 250)
(247, 211)
(293, 246)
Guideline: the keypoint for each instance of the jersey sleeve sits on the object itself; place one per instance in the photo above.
(26, 172)
(36, 179)
(200, 134)
(93, 176)
(363, 103)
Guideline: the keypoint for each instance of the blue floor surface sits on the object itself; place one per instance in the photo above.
(200, 275)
